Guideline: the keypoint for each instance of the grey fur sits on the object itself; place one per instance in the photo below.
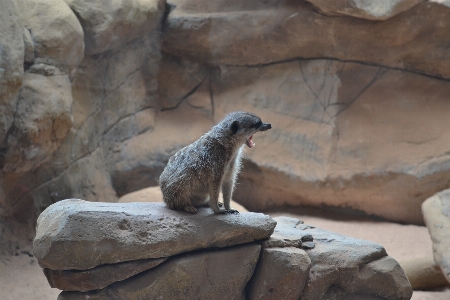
(200, 170)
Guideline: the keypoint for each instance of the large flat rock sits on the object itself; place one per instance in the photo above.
(77, 234)
(219, 274)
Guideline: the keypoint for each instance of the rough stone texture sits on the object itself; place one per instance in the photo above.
(228, 32)
(11, 66)
(98, 277)
(57, 35)
(423, 273)
(44, 117)
(110, 24)
(286, 234)
(372, 10)
(60, 129)
(384, 278)
(154, 194)
(436, 213)
(343, 267)
(203, 275)
(105, 233)
(338, 267)
(281, 273)
(104, 117)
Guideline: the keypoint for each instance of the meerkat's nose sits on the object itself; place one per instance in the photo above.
(265, 126)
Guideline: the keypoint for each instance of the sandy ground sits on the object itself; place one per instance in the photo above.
(22, 278)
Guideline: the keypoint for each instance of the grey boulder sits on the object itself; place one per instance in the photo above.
(78, 234)
(344, 267)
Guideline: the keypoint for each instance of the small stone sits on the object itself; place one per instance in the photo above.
(286, 234)
(308, 245)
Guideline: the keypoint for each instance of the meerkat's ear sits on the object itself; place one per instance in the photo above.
(234, 127)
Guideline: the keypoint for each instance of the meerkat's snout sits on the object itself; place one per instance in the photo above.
(265, 126)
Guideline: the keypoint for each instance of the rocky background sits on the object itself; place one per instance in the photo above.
(95, 96)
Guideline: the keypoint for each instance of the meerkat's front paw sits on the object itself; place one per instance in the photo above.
(232, 211)
(220, 211)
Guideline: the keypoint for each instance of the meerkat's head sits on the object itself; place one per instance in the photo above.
(242, 125)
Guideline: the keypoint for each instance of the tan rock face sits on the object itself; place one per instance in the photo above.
(57, 34)
(272, 31)
(334, 141)
(11, 63)
(109, 24)
(44, 117)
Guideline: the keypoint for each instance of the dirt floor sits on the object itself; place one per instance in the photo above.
(22, 278)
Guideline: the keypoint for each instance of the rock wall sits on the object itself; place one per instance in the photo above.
(96, 95)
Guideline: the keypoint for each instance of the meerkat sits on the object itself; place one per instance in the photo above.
(196, 174)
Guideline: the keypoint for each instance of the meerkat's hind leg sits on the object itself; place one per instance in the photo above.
(190, 209)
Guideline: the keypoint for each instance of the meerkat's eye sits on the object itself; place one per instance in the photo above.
(235, 127)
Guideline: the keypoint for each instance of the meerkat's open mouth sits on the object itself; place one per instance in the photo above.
(250, 142)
